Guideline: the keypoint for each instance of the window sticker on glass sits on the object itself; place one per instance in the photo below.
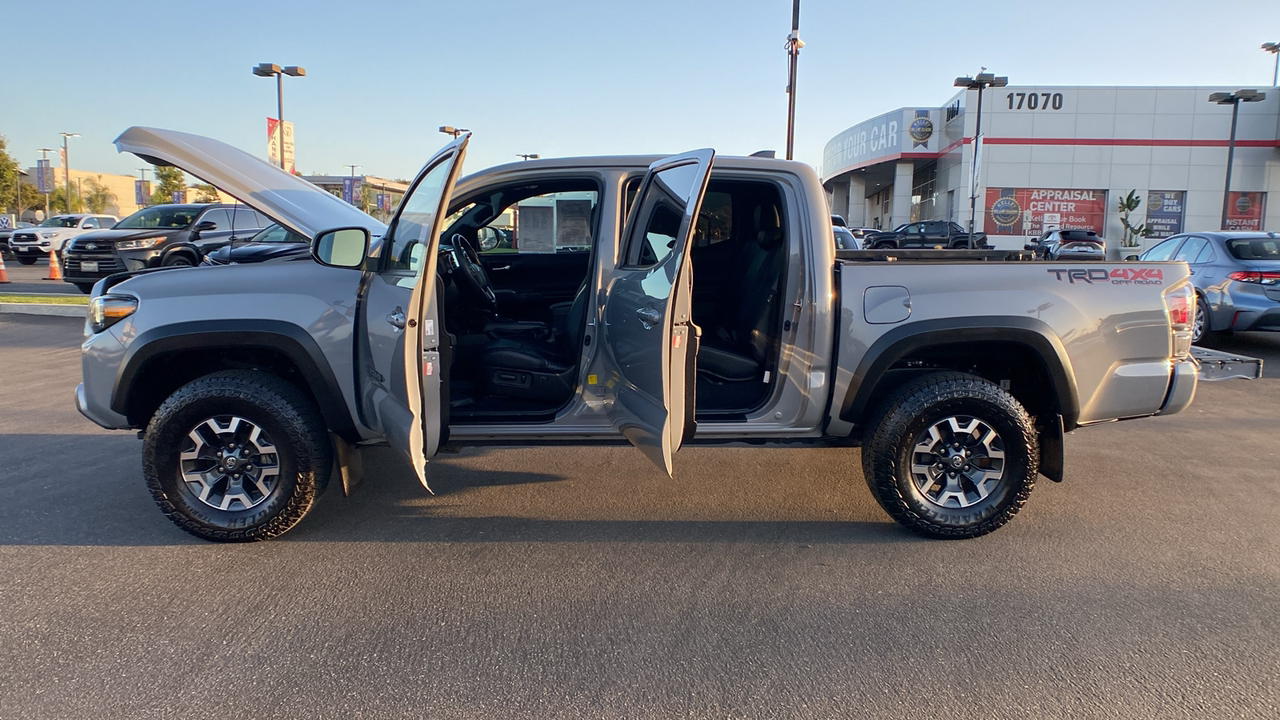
(536, 228)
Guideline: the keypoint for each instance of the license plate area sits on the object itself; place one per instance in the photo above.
(89, 265)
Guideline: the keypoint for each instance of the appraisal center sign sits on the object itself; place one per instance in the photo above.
(1032, 211)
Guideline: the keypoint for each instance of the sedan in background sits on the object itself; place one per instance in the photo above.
(1236, 276)
(846, 240)
(5, 233)
(271, 243)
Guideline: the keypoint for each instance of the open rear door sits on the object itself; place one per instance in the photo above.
(402, 316)
(650, 342)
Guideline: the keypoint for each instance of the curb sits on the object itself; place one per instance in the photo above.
(77, 311)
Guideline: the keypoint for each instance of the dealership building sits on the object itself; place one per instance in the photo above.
(1062, 157)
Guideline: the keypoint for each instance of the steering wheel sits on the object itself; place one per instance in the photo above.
(471, 276)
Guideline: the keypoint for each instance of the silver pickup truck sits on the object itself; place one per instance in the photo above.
(669, 300)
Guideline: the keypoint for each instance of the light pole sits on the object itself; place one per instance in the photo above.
(982, 81)
(354, 200)
(44, 156)
(1233, 99)
(66, 164)
(268, 70)
(794, 43)
(1274, 49)
(450, 130)
(527, 156)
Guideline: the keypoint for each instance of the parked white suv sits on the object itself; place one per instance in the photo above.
(30, 244)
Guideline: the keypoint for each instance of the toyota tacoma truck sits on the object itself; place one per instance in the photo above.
(664, 300)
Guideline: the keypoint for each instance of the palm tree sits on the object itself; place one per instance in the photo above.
(99, 198)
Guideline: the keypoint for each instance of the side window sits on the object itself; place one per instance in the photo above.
(715, 220)
(89, 224)
(1191, 249)
(658, 220)
(409, 233)
(218, 216)
(1163, 251)
(936, 228)
(1205, 256)
(246, 218)
(548, 223)
(105, 222)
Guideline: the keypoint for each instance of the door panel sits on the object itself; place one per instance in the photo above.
(649, 338)
(401, 339)
(528, 283)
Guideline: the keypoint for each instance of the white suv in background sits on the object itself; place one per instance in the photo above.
(31, 244)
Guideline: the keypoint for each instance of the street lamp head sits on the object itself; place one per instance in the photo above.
(999, 81)
(985, 78)
(448, 129)
(1271, 47)
(294, 71)
(69, 135)
(1221, 98)
(964, 82)
(1251, 95)
(266, 69)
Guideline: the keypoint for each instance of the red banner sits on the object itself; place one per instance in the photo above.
(1245, 210)
(1031, 211)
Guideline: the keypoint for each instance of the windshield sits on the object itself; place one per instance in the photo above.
(61, 221)
(278, 234)
(164, 216)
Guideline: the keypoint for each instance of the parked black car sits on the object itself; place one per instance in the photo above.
(270, 244)
(158, 236)
(928, 234)
(1068, 245)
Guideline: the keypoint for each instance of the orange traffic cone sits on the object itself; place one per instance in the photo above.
(55, 270)
(4, 274)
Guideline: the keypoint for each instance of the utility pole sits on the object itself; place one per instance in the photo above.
(66, 165)
(794, 43)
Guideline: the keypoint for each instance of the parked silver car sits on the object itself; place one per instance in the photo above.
(1236, 276)
(1069, 245)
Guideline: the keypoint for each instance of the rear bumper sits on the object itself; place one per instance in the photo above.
(1268, 319)
(1182, 387)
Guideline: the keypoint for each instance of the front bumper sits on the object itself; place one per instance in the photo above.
(101, 356)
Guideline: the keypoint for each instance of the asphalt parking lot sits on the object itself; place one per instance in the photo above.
(25, 279)
(580, 583)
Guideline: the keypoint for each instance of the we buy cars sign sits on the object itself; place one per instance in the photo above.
(1031, 211)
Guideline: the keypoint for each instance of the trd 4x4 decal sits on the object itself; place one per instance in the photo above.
(1117, 276)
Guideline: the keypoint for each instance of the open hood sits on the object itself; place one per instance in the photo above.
(287, 199)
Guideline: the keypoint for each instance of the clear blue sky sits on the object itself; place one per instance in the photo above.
(569, 77)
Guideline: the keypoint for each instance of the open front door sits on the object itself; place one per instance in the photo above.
(400, 348)
(650, 342)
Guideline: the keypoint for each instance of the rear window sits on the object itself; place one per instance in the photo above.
(1254, 249)
(1079, 236)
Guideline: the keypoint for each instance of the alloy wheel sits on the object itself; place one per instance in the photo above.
(229, 463)
(957, 462)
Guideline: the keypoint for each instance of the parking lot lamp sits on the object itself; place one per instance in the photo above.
(66, 165)
(1233, 99)
(527, 156)
(1274, 49)
(451, 130)
(981, 81)
(269, 70)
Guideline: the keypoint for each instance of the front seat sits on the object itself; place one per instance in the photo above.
(537, 370)
(739, 351)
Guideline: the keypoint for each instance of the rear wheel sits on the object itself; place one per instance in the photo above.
(951, 455)
(236, 456)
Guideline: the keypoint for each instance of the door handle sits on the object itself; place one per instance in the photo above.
(648, 317)
(504, 267)
(397, 318)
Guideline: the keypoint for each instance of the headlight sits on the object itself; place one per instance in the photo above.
(107, 310)
(48, 234)
(138, 243)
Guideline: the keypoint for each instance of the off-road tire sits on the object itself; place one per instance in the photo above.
(901, 420)
(284, 413)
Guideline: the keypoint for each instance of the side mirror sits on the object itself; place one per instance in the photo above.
(342, 247)
(206, 226)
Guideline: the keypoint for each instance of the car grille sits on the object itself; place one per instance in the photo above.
(107, 263)
(23, 237)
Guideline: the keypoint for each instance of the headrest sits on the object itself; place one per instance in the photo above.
(768, 226)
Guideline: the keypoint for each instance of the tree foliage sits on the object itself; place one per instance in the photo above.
(8, 178)
(58, 201)
(97, 197)
(168, 181)
(1126, 205)
(206, 193)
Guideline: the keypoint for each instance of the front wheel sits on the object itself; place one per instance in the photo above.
(951, 455)
(178, 260)
(27, 259)
(85, 288)
(236, 456)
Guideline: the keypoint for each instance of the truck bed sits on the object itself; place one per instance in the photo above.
(933, 255)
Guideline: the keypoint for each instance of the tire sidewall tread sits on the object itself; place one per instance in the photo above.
(918, 404)
(287, 416)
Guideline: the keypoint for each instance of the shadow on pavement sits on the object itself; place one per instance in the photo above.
(106, 503)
